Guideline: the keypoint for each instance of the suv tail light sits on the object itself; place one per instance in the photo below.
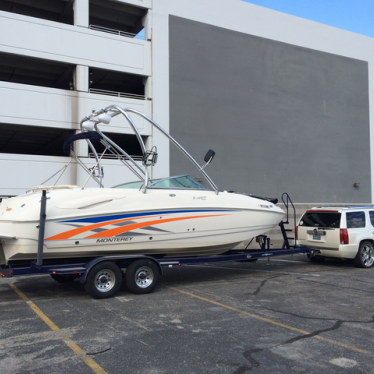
(344, 239)
(296, 232)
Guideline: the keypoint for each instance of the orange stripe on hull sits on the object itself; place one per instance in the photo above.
(69, 234)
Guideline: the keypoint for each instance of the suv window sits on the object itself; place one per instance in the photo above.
(321, 219)
(372, 218)
(355, 219)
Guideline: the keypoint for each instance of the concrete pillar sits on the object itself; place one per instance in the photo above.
(81, 13)
(147, 23)
(81, 78)
(81, 147)
(81, 150)
(147, 81)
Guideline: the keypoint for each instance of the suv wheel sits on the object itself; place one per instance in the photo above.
(365, 255)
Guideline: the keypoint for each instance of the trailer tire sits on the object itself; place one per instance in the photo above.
(103, 280)
(142, 276)
(64, 278)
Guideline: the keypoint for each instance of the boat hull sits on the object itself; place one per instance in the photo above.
(98, 222)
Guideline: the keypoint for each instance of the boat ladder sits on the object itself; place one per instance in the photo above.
(286, 239)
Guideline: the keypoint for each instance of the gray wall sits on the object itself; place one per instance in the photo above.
(280, 117)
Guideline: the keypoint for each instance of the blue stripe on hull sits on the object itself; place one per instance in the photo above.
(130, 215)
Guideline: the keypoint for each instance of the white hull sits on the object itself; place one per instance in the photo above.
(97, 222)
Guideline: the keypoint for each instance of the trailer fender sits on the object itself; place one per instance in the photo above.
(117, 260)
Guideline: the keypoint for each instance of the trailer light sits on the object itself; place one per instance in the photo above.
(53, 272)
(75, 272)
(344, 238)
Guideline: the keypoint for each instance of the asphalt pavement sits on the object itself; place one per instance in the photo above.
(286, 315)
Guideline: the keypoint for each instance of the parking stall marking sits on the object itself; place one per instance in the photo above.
(270, 321)
(73, 346)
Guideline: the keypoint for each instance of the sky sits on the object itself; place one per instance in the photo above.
(352, 15)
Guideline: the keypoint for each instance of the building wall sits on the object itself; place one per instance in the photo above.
(46, 107)
(315, 81)
(287, 103)
(30, 105)
(280, 117)
(73, 44)
(42, 106)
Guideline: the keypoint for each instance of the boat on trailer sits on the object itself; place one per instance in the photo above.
(169, 217)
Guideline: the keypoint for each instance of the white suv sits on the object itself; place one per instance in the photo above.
(346, 233)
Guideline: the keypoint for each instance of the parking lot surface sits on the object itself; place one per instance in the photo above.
(279, 316)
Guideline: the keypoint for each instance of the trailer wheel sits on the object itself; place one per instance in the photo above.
(142, 276)
(103, 280)
(64, 278)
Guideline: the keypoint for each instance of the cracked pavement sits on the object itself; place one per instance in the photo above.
(279, 316)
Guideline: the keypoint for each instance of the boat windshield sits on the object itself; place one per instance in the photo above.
(182, 181)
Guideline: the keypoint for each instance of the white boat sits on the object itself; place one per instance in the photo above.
(171, 217)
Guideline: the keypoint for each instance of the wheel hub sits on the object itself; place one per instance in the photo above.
(105, 280)
(144, 277)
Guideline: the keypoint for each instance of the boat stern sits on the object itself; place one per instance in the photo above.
(7, 230)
